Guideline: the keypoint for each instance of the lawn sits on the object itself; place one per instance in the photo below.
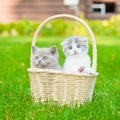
(15, 97)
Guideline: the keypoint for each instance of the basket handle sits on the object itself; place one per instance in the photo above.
(94, 51)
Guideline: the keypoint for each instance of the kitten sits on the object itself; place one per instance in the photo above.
(45, 58)
(75, 49)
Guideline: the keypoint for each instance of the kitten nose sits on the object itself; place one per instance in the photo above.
(39, 61)
(75, 51)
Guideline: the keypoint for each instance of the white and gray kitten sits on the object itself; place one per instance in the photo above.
(45, 58)
(77, 59)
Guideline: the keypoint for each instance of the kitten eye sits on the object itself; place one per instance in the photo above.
(78, 46)
(45, 57)
(36, 57)
(70, 47)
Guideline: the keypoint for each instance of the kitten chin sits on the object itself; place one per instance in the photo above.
(45, 58)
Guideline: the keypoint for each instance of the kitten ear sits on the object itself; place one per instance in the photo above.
(64, 42)
(85, 39)
(33, 49)
(53, 50)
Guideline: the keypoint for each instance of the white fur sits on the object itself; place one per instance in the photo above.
(77, 58)
(73, 64)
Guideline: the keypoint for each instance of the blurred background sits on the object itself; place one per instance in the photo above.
(23, 16)
(12, 10)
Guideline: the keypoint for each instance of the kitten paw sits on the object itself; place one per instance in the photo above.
(81, 69)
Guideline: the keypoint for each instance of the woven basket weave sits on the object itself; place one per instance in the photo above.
(60, 86)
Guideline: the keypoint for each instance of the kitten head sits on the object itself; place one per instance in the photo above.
(75, 46)
(45, 58)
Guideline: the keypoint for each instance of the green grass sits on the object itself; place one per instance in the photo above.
(15, 97)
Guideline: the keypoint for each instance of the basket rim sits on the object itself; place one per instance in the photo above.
(38, 70)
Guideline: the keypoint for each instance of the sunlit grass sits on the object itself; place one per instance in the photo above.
(108, 40)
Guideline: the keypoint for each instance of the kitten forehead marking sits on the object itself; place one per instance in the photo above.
(75, 39)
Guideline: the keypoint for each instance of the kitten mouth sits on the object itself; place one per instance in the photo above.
(43, 65)
(75, 52)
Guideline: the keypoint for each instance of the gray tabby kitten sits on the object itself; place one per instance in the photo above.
(45, 58)
(77, 59)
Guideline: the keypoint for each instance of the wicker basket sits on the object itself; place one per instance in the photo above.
(61, 86)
